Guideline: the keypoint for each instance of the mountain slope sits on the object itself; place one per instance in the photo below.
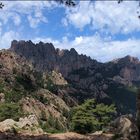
(25, 91)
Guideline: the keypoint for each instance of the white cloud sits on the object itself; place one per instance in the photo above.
(6, 38)
(97, 47)
(80, 15)
(33, 10)
(107, 16)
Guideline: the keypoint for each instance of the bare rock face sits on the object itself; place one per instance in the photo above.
(47, 106)
(58, 79)
(46, 58)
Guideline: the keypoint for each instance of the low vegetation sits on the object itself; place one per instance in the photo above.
(14, 96)
(25, 81)
(51, 125)
(51, 86)
(10, 111)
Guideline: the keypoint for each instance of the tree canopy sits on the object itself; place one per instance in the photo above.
(91, 116)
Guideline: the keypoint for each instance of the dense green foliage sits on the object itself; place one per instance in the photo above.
(91, 116)
(51, 125)
(10, 111)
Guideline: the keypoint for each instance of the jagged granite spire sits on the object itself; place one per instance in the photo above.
(45, 57)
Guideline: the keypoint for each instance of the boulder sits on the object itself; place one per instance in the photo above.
(125, 128)
(27, 125)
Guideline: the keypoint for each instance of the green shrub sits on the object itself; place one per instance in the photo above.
(25, 81)
(46, 128)
(51, 86)
(10, 110)
(39, 78)
(13, 96)
(1, 88)
(41, 98)
(90, 116)
(51, 125)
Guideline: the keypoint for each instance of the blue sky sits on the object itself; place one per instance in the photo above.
(103, 30)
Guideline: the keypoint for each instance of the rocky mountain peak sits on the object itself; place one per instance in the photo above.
(73, 51)
(45, 57)
(127, 59)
